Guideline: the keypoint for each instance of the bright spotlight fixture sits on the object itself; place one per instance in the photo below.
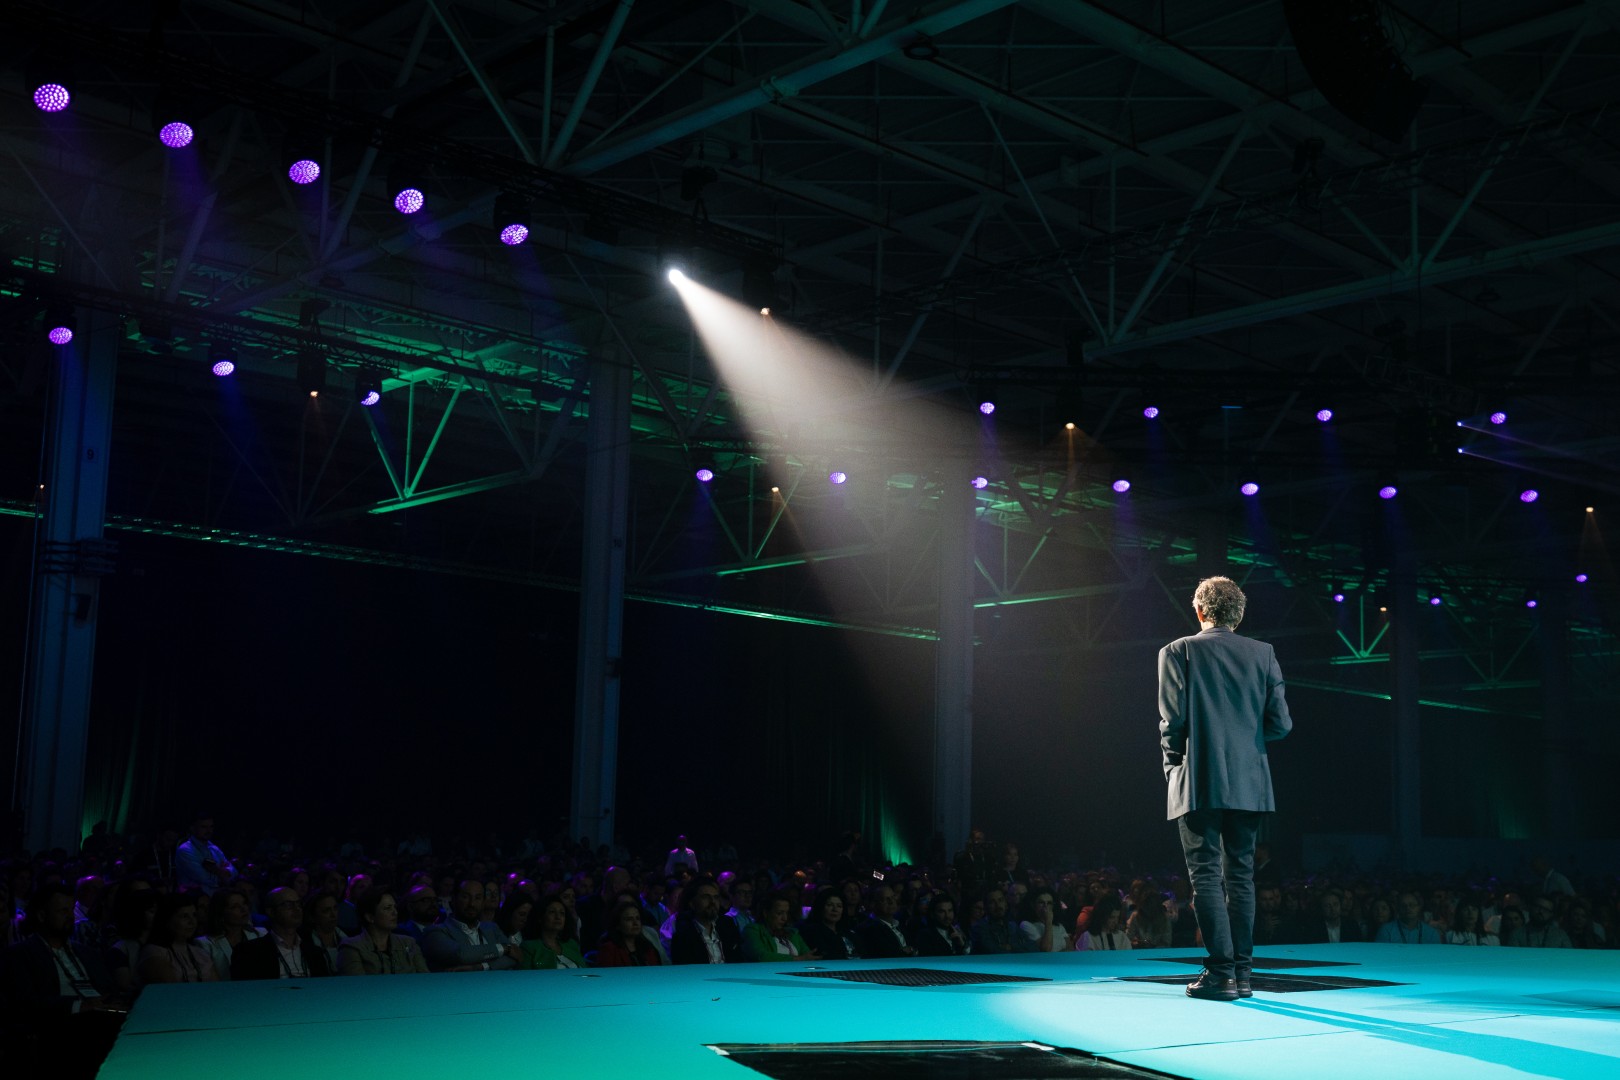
(1388, 491)
(513, 235)
(304, 171)
(1122, 485)
(764, 311)
(51, 97)
(981, 482)
(775, 490)
(176, 135)
(367, 388)
(1580, 579)
(987, 407)
(837, 477)
(1151, 412)
(1531, 603)
(60, 335)
(1498, 417)
(1589, 509)
(1435, 601)
(676, 275)
(1338, 598)
(1250, 488)
(1324, 415)
(1529, 495)
(223, 368)
(409, 200)
(1069, 426)
(704, 475)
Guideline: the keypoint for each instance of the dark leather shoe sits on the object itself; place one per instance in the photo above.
(1213, 988)
(1243, 988)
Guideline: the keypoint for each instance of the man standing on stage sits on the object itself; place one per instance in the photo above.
(1220, 702)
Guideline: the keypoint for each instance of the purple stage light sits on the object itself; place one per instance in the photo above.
(1498, 417)
(223, 368)
(1338, 598)
(837, 477)
(1388, 491)
(1434, 601)
(1324, 415)
(1529, 495)
(1251, 488)
(987, 407)
(514, 235)
(705, 475)
(1122, 486)
(371, 398)
(1580, 579)
(408, 201)
(60, 335)
(981, 482)
(1531, 604)
(52, 97)
(304, 171)
(176, 135)
(1151, 412)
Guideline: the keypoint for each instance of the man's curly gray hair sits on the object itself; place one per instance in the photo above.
(1221, 601)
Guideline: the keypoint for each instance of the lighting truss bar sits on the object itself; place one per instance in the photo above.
(1354, 691)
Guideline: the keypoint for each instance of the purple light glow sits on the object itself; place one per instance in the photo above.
(1338, 598)
(371, 398)
(1531, 604)
(1529, 495)
(1498, 417)
(1580, 579)
(176, 135)
(408, 201)
(223, 368)
(837, 477)
(304, 171)
(1151, 412)
(514, 235)
(60, 335)
(704, 475)
(1434, 601)
(981, 482)
(987, 407)
(1251, 488)
(1388, 491)
(1324, 415)
(52, 97)
(1122, 486)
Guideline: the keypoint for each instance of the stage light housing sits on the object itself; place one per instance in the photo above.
(1324, 415)
(1498, 417)
(1338, 598)
(981, 482)
(837, 477)
(176, 134)
(987, 407)
(1388, 491)
(51, 97)
(59, 322)
(367, 388)
(676, 275)
(1069, 426)
(405, 185)
(1121, 485)
(1532, 603)
(1580, 579)
(705, 475)
(1435, 601)
(1250, 488)
(221, 359)
(512, 218)
(304, 171)
(1151, 412)
(1529, 495)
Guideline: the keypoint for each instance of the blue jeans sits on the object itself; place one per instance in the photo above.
(1219, 845)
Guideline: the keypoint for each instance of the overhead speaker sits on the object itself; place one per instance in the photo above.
(1348, 54)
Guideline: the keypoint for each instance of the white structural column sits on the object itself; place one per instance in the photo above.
(953, 666)
(601, 599)
(69, 559)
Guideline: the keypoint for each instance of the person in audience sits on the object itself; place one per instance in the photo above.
(552, 944)
(1549, 882)
(996, 933)
(880, 936)
(1329, 926)
(198, 861)
(1541, 931)
(681, 855)
(854, 904)
(623, 944)
(820, 929)
(1149, 926)
(1409, 928)
(941, 937)
(132, 927)
(422, 905)
(512, 918)
(58, 991)
(701, 934)
(229, 922)
(772, 939)
(285, 952)
(464, 942)
(321, 925)
(493, 897)
(1010, 872)
(1467, 927)
(593, 908)
(1377, 912)
(1105, 927)
(1039, 924)
(1583, 932)
(1270, 928)
(654, 889)
(377, 949)
(297, 879)
(87, 910)
(348, 918)
(172, 954)
(741, 911)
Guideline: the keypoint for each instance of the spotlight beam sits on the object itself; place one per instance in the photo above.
(1497, 433)
(1580, 482)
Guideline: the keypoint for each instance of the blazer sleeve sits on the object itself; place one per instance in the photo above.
(1173, 706)
(1277, 721)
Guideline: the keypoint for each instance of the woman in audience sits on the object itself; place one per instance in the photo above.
(229, 923)
(623, 944)
(854, 905)
(552, 943)
(568, 895)
(773, 938)
(132, 922)
(1149, 925)
(1039, 916)
(513, 917)
(1378, 912)
(377, 949)
(297, 879)
(321, 924)
(1583, 932)
(821, 930)
(1103, 929)
(171, 954)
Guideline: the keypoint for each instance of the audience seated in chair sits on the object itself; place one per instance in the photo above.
(172, 953)
(941, 937)
(550, 943)
(623, 944)
(285, 952)
(378, 949)
(464, 941)
(701, 934)
(822, 929)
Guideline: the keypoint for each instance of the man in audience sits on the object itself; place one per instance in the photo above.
(996, 933)
(1270, 927)
(465, 942)
(1542, 931)
(592, 908)
(1408, 927)
(422, 910)
(879, 933)
(348, 917)
(702, 935)
(653, 891)
(741, 911)
(1548, 881)
(60, 990)
(941, 937)
(680, 855)
(1329, 926)
(198, 861)
(86, 927)
(285, 952)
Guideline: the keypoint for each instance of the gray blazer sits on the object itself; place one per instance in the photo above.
(1220, 702)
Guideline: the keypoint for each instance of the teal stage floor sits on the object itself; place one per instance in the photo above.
(1478, 1014)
